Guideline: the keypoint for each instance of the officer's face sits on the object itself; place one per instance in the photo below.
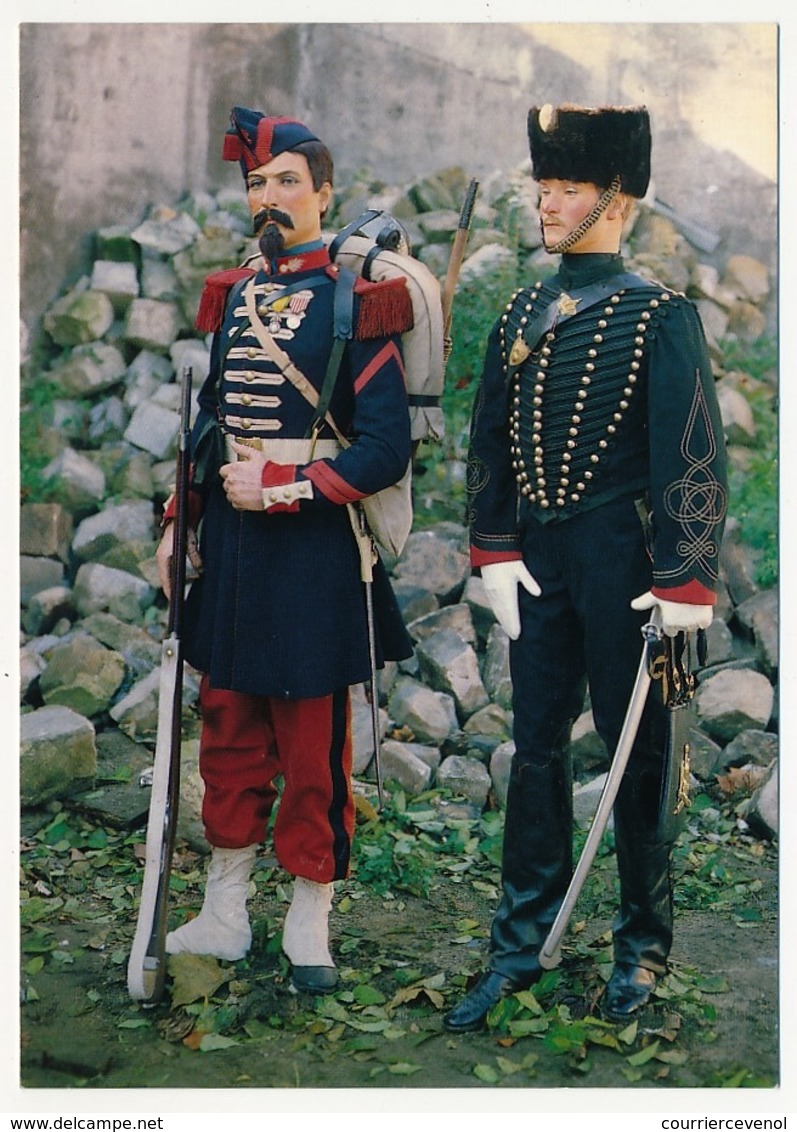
(286, 185)
(563, 205)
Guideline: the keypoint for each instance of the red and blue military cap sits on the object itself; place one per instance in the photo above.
(254, 139)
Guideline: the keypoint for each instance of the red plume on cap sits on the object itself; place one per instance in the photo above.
(255, 139)
(580, 143)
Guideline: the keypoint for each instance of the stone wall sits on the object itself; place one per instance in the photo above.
(116, 117)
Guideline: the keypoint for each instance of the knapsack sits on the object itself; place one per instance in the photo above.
(376, 246)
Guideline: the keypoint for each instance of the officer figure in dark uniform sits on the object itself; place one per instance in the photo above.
(277, 622)
(596, 490)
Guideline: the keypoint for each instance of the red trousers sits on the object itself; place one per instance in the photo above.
(247, 742)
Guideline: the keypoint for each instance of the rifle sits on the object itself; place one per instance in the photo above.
(457, 255)
(550, 953)
(146, 969)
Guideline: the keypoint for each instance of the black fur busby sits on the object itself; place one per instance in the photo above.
(579, 143)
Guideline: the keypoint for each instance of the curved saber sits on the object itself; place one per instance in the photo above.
(550, 953)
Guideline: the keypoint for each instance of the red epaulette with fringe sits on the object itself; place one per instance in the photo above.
(214, 297)
(384, 308)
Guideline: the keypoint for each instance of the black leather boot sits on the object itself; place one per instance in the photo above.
(627, 991)
(643, 930)
(471, 1013)
(537, 864)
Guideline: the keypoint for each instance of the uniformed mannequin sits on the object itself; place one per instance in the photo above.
(277, 620)
(596, 491)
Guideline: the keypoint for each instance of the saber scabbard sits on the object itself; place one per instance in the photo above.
(550, 952)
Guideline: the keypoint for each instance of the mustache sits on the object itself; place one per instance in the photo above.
(270, 216)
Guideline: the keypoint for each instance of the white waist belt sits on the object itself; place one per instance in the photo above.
(286, 450)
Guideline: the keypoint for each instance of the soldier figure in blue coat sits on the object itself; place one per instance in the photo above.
(597, 490)
(276, 622)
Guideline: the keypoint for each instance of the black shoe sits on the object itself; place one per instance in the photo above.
(627, 991)
(314, 980)
(470, 1014)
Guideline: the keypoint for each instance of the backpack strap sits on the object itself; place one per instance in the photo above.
(343, 331)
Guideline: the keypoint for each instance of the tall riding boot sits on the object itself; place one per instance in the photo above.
(305, 937)
(644, 927)
(222, 927)
(537, 864)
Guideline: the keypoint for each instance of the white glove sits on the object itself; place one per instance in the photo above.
(676, 616)
(501, 581)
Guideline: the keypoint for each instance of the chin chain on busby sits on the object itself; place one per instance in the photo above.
(671, 663)
(668, 660)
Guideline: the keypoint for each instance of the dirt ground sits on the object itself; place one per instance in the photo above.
(81, 1031)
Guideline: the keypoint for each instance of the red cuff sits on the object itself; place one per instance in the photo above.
(278, 475)
(275, 475)
(480, 557)
(693, 593)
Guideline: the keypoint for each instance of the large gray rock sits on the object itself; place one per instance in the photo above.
(101, 588)
(90, 370)
(495, 668)
(449, 664)
(759, 617)
(81, 484)
(762, 810)
(585, 800)
(83, 675)
(500, 767)
(430, 716)
(751, 747)
(456, 618)
(152, 324)
(166, 231)
(136, 714)
(747, 277)
(80, 316)
(45, 529)
(154, 428)
(141, 653)
(465, 776)
(411, 765)
(436, 560)
(362, 729)
(119, 281)
(731, 700)
(737, 415)
(46, 608)
(119, 535)
(588, 750)
(58, 754)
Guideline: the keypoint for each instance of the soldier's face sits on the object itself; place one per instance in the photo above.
(286, 186)
(563, 205)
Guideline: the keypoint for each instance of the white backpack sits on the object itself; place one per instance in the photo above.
(375, 247)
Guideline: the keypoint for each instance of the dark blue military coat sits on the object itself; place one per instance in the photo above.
(280, 607)
(598, 385)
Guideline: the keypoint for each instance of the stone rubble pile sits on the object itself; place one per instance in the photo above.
(92, 615)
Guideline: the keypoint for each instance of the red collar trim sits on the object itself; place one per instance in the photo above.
(303, 261)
